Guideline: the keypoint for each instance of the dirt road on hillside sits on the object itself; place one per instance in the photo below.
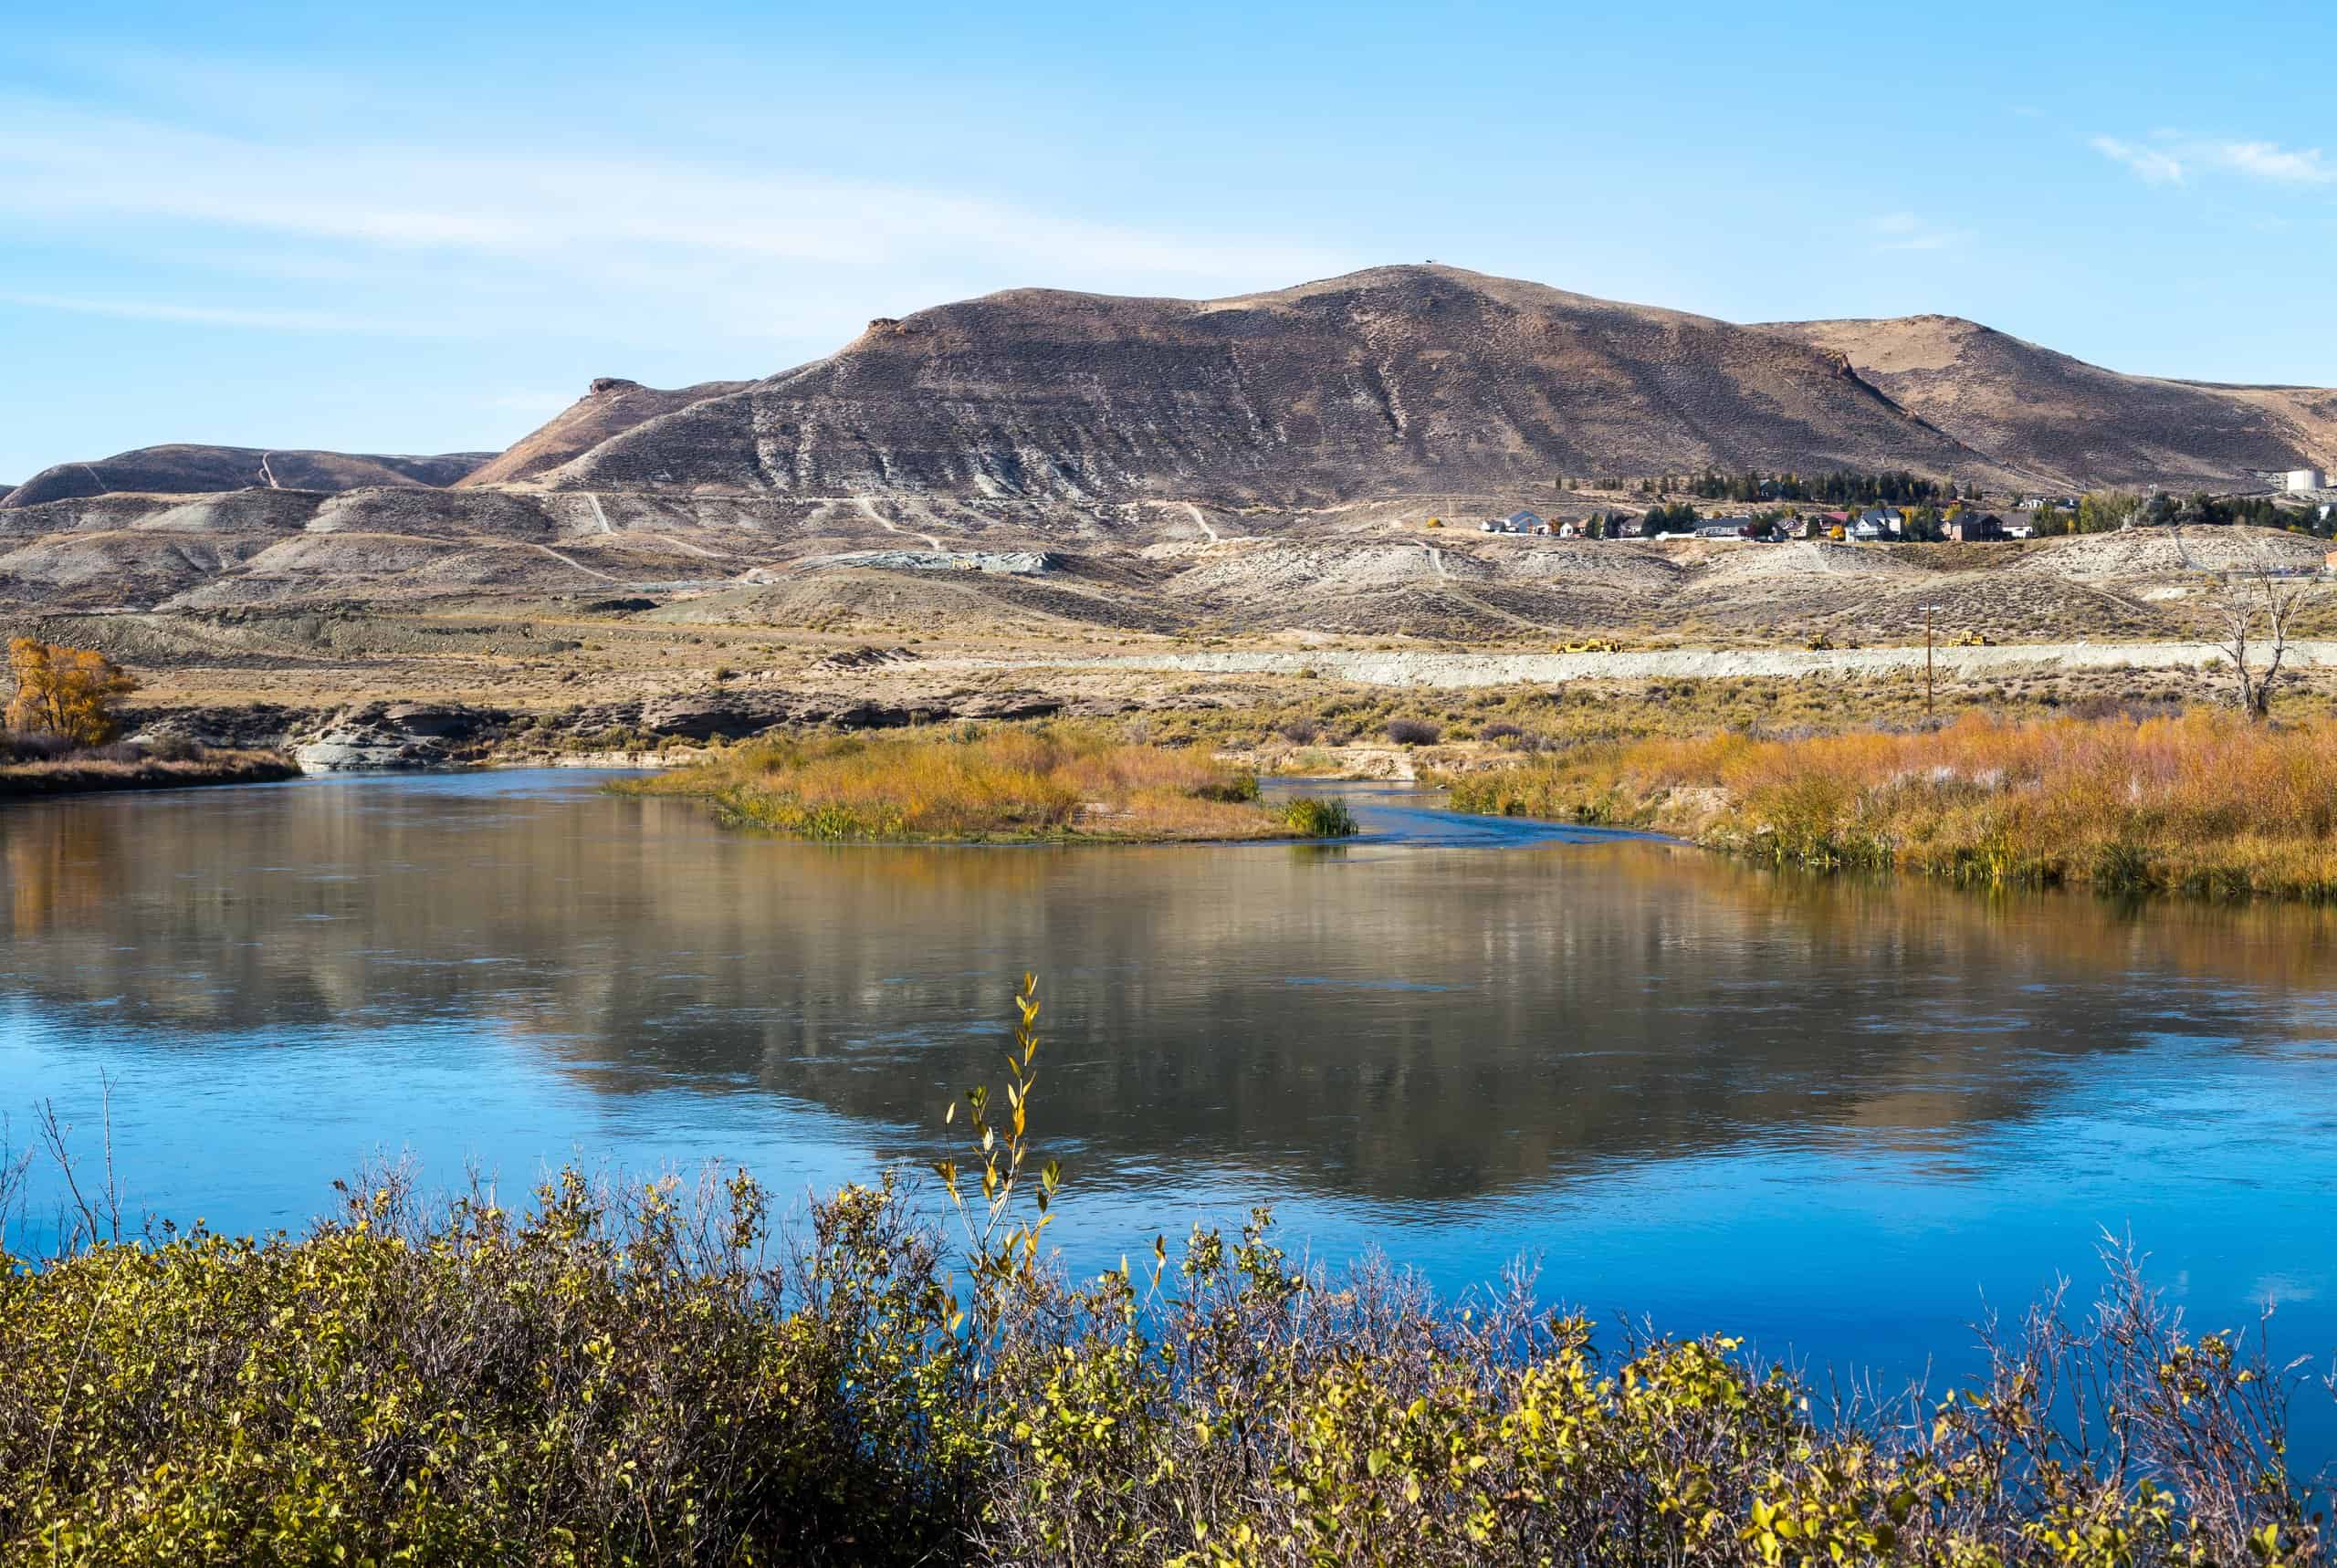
(1412, 668)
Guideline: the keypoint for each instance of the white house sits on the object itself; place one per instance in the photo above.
(1874, 524)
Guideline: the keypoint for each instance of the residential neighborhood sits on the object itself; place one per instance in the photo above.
(1940, 514)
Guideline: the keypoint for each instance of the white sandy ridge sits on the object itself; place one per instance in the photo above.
(1414, 668)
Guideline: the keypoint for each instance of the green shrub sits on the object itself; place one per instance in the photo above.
(1319, 818)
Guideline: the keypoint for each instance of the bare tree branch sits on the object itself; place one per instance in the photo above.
(2259, 595)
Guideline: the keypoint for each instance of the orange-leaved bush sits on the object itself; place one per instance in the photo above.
(65, 692)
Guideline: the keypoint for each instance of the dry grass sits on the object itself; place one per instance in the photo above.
(1297, 714)
(2200, 803)
(76, 775)
(1005, 783)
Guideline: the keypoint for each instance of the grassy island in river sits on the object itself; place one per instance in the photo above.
(998, 785)
(120, 767)
(2206, 803)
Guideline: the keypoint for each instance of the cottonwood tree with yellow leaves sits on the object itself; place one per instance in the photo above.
(65, 691)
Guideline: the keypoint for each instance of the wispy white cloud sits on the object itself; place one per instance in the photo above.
(1908, 231)
(2170, 158)
(2270, 161)
(60, 163)
(2157, 167)
(214, 315)
(267, 231)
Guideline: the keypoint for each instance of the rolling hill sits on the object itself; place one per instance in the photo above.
(186, 469)
(1288, 442)
(2045, 413)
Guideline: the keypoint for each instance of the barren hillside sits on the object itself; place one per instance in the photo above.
(612, 406)
(1262, 465)
(187, 469)
(2033, 409)
(1396, 380)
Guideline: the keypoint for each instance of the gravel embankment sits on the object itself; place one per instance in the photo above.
(1412, 668)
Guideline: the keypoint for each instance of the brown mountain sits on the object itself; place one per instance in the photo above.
(1400, 380)
(189, 469)
(2033, 409)
(612, 406)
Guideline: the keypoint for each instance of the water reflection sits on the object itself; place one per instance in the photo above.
(1397, 1023)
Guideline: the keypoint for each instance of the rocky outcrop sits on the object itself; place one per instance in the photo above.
(611, 406)
(400, 734)
(250, 726)
(416, 735)
(737, 714)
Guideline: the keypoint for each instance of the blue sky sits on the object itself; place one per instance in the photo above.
(421, 228)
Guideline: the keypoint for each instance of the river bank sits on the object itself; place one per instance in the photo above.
(85, 776)
(2202, 804)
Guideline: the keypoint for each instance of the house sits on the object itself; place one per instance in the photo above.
(1524, 523)
(1969, 526)
(1726, 528)
(1874, 524)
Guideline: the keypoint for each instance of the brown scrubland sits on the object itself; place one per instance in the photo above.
(1012, 783)
(2203, 802)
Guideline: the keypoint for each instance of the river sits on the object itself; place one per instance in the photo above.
(1837, 1116)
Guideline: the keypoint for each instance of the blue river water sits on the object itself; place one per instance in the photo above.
(1843, 1118)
